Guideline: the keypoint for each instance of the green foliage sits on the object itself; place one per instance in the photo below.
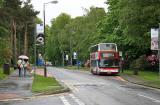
(39, 21)
(1, 3)
(13, 19)
(74, 35)
(2, 75)
(127, 23)
(5, 53)
(141, 63)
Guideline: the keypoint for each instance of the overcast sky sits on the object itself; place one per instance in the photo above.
(71, 7)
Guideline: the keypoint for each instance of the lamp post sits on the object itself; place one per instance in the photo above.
(45, 70)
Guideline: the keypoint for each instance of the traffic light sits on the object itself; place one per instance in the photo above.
(40, 39)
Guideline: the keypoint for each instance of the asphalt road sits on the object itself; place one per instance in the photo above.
(88, 89)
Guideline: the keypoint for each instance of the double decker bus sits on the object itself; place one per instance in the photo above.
(104, 59)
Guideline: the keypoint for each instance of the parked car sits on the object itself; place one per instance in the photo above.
(49, 63)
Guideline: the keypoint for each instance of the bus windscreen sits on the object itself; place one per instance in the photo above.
(107, 47)
(104, 55)
(104, 63)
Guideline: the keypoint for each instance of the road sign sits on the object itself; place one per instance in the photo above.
(74, 55)
(39, 29)
(154, 39)
(79, 63)
(67, 57)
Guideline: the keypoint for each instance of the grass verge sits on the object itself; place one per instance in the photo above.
(3, 76)
(44, 84)
(151, 77)
(78, 68)
(40, 67)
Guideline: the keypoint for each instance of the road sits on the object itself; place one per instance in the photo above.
(88, 89)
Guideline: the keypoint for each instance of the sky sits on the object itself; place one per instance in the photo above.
(72, 7)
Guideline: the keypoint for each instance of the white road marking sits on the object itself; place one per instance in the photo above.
(76, 100)
(154, 100)
(91, 83)
(64, 100)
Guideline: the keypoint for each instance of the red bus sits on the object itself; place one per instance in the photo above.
(104, 59)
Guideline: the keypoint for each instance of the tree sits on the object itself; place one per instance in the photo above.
(54, 50)
(76, 34)
(13, 20)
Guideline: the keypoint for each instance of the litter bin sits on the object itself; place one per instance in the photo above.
(6, 69)
(135, 70)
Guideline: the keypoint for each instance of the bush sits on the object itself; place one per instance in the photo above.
(141, 63)
(153, 61)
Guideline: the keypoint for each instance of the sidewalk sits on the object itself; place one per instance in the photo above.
(16, 86)
(19, 87)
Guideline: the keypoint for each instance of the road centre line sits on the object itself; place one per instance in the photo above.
(64, 100)
(76, 99)
(153, 99)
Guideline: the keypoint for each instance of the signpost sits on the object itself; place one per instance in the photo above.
(155, 42)
(159, 48)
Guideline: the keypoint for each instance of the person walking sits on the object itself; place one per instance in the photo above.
(20, 66)
(25, 64)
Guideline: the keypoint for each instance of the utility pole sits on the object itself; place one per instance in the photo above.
(63, 57)
(45, 70)
(35, 46)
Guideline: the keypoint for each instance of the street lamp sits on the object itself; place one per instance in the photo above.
(45, 70)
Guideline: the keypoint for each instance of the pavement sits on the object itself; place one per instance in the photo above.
(15, 86)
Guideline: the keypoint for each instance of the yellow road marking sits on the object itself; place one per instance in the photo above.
(32, 97)
(121, 78)
(71, 86)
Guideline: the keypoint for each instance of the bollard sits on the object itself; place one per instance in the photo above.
(6, 69)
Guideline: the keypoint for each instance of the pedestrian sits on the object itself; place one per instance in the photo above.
(25, 64)
(20, 66)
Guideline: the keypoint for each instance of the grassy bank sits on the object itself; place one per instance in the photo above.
(3, 76)
(151, 77)
(145, 75)
(43, 84)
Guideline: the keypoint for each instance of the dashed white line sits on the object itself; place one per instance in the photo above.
(64, 100)
(154, 100)
(76, 100)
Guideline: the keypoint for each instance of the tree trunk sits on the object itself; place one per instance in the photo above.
(11, 41)
(15, 44)
(19, 44)
(26, 40)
